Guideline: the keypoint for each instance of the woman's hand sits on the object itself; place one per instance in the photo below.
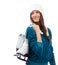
(37, 30)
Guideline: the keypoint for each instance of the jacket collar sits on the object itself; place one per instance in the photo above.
(41, 31)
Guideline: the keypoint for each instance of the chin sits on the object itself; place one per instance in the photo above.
(36, 21)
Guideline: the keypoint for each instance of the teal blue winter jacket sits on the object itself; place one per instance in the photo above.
(40, 53)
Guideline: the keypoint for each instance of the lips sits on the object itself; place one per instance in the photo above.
(35, 17)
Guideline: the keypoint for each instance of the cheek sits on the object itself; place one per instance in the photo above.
(38, 16)
(31, 16)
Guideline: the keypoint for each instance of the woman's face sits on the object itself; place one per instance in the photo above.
(35, 15)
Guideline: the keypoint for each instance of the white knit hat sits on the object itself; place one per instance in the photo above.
(36, 7)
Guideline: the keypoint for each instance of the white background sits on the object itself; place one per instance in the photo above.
(14, 19)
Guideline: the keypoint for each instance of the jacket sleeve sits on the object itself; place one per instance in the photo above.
(52, 59)
(34, 45)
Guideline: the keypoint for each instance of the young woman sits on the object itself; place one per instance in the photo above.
(40, 40)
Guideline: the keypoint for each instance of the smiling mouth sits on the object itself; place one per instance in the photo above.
(35, 17)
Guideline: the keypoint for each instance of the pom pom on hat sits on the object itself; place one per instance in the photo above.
(36, 7)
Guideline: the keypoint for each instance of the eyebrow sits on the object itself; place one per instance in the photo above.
(33, 11)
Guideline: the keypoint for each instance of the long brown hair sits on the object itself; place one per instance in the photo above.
(41, 25)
